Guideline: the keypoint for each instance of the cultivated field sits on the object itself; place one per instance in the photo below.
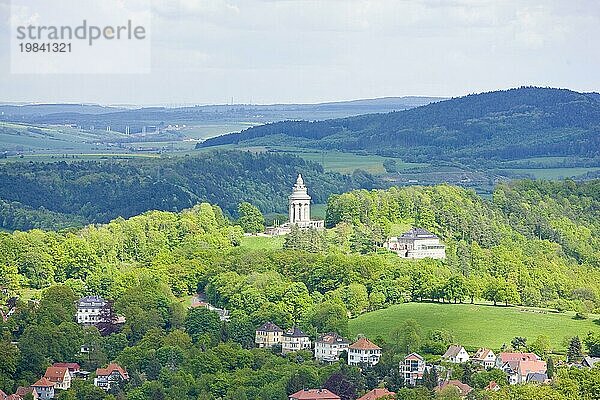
(477, 325)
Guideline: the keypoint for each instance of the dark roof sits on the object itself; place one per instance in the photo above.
(91, 302)
(418, 233)
(295, 332)
(270, 327)
(536, 377)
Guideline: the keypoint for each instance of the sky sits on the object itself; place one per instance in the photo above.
(305, 51)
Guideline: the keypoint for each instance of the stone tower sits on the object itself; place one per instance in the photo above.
(299, 202)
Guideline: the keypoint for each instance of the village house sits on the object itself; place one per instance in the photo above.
(44, 389)
(492, 387)
(504, 357)
(363, 352)
(412, 368)
(484, 357)
(294, 340)
(106, 377)
(456, 354)
(537, 377)
(268, 335)
(90, 309)
(23, 391)
(518, 370)
(462, 388)
(60, 376)
(589, 362)
(417, 243)
(314, 394)
(378, 393)
(329, 346)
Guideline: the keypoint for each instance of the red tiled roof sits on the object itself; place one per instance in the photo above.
(463, 388)
(3, 395)
(364, 344)
(518, 357)
(43, 382)
(56, 374)
(22, 391)
(414, 356)
(70, 366)
(314, 394)
(110, 369)
(527, 367)
(376, 394)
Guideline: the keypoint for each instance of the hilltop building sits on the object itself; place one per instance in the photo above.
(294, 340)
(329, 346)
(299, 211)
(363, 352)
(268, 335)
(417, 243)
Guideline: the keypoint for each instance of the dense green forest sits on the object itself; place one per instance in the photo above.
(501, 125)
(58, 194)
(534, 243)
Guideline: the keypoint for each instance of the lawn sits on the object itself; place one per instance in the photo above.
(262, 242)
(476, 325)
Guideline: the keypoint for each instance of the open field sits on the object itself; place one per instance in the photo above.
(476, 325)
(552, 173)
(262, 242)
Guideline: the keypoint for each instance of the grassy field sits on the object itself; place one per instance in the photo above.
(262, 242)
(553, 173)
(477, 325)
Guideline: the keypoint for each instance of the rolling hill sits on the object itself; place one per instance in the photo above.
(502, 125)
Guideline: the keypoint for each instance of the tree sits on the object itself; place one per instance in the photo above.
(519, 343)
(407, 337)
(201, 321)
(550, 367)
(339, 384)
(592, 342)
(250, 218)
(574, 353)
(541, 345)
(330, 316)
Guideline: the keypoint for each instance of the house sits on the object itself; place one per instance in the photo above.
(73, 368)
(493, 387)
(3, 395)
(417, 243)
(463, 388)
(60, 376)
(412, 368)
(44, 389)
(294, 340)
(517, 370)
(90, 310)
(456, 354)
(514, 356)
(22, 392)
(268, 335)
(329, 346)
(589, 362)
(113, 373)
(484, 357)
(378, 393)
(363, 352)
(314, 394)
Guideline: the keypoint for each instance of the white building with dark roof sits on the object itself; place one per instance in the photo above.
(329, 346)
(417, 243)
(294, 340)
(90, 309)
(456, 354)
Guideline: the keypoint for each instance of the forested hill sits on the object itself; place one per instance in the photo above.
(503, 125)
(60, 194)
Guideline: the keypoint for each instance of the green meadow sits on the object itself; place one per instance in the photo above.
(476, 326)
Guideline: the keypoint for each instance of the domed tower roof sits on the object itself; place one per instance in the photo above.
(299, 191)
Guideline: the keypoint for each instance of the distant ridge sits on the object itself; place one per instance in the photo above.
(504, 125)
